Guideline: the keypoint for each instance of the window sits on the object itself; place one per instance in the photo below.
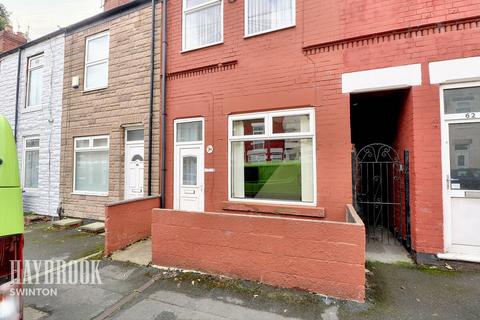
(272, 157)
(96, 61)
(30, 162)
(91, 165)
(268, 15)
(34, 81)
(202, 23)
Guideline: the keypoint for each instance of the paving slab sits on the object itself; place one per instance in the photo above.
(67, 223)
(96, 227)
(139, 253)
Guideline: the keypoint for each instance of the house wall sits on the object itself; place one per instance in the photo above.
(44, 121)
(302, 66)
(106, 111)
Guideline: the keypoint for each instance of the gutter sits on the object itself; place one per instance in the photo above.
(17, 93)
(150, 113)
(164, 101)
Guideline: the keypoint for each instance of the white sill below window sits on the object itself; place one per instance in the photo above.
(86, 90)
(268, 31)
(202, 47)
(32, 108)
(87, 193)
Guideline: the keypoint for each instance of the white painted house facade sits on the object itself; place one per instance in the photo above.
(37, 112)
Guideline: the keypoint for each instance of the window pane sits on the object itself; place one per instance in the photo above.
(465, 156)
(273, 170)
(193, 3)
(32, 143)
(462, 100)
(31, 168)
(203, 27)
(264, 15)
(291, 124)
(97, 76)
(35, 87)
(189, 131)
(100, 142)
(249, 127)
(135, 135)
(97, 49)
(91, 171)
(82, 143)
(189, 171)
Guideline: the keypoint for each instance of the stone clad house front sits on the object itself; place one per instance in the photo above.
(105, 119)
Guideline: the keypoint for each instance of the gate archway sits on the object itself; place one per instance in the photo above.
(380, 187)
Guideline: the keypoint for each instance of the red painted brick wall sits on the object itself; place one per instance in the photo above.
(310, 254)
(272, 71)
(110, 4)
(127, 222)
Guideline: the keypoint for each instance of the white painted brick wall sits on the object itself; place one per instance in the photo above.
(44, 122)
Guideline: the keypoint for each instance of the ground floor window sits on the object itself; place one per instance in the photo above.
(91, 165)
(272, 156)
(31, 162)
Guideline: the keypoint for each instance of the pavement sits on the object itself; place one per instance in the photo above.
(129, 291)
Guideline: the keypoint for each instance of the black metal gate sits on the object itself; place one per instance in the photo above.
(381, 192)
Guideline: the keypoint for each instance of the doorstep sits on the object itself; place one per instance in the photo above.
(68, 223)
(459, 257)
(96, 227)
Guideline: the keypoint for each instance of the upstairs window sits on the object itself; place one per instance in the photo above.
(96, 61)
(35, 81)
(202, 23)
(268, 15)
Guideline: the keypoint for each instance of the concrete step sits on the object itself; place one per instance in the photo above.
(96, 227)
(68, 223)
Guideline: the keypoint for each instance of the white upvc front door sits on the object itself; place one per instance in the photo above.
(460, 110)
(134, 164)
(189, 165)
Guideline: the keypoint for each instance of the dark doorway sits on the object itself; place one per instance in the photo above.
(378, 165)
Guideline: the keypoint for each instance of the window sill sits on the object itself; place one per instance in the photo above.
(202, 47)
(94, 194)
(247, 36)
(93, 90)
(32, 109)
(274, 209)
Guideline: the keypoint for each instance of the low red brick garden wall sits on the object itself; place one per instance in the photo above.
(127, 222)
(311, 254)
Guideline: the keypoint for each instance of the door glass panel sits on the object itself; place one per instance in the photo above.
(462, 100)
(189, 171)
(135, 135)
(189, 131)
(465, 156)
(137, 157)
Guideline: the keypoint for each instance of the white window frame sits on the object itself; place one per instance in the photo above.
(196, 8)
(29, 106)
(93, 63)
(89, 148)
(248, 35)
(269, 135)
(24, 162)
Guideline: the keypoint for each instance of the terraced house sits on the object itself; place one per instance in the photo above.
(31, 87)
(110, 113)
